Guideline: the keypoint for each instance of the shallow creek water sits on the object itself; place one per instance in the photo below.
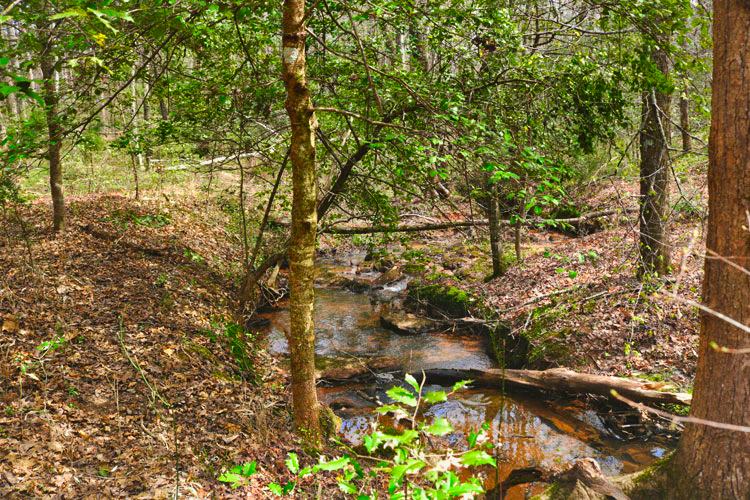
(527, 429)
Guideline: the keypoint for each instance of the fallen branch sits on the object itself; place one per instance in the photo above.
(467, 223)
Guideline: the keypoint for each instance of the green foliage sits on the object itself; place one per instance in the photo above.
(237, 475)
(123, 218)
(239, 343)
(404, 456)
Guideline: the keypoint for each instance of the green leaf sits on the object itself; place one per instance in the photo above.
(461, 384)
(477, 457)
(231, 478)
(399, 471)
(337, 464)
(436, 397)
(247, 469)
(372, 442)
(292, 463)
(402, 395)
(347, 487)
(465, 489)
(412, 382)
(385, 409)
(4, 61)
(439, 427)
(276, 489)
(68, 13)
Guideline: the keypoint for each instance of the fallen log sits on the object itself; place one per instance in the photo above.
(439, 226)
(561, 380)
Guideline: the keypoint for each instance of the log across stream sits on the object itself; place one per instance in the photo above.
(529, 428)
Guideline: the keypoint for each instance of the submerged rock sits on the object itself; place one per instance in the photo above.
(407, 324)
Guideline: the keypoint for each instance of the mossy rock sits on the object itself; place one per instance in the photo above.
(446, 299)
(330, 423)
(647, 484)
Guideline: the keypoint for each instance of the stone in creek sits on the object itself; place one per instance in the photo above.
(391, 275)
(407, 323)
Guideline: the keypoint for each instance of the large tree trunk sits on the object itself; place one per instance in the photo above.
(654, 138)
(54, 137)
(304, 224)
(711, 462)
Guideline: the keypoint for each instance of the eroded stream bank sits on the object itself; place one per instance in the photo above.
(527, 429)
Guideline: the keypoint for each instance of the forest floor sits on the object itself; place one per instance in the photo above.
(115, 358)
(115, 347)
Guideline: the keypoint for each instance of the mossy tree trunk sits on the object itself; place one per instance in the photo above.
(655, 170)
(304, 224)
(712, 462)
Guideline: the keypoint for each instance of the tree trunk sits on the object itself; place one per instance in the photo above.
(54, 136)
(304, 224)
(711, 462)
(655, 170)
(687, 143)
(493, 218)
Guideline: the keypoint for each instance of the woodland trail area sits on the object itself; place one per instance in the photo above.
(117, 373)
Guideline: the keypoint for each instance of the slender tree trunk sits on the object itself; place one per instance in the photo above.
(655, 170)
(710, 462)
(685, 122)
(54, 136)
(304, 224)
(134, 166)
(493, 220)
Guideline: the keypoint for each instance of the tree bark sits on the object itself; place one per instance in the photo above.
(710, 462)
(655, 170)
(304, 224)
(493, 218)
(54, 137)
(687, 141)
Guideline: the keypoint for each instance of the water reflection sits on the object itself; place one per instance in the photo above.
(527, 430)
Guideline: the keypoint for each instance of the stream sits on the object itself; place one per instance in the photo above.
(528, 429)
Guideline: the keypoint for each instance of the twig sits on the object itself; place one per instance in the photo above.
(679, 419)
(154, 392)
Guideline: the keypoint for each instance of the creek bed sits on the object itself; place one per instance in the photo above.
(527, 429)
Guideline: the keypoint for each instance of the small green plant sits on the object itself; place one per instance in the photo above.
(72, 391)
(689, 208)
(236, 339)
(51, 345)
(161, 280)
(123, 218)
(405, 455)
(193, 256)
(238, 474)
(152, 220)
